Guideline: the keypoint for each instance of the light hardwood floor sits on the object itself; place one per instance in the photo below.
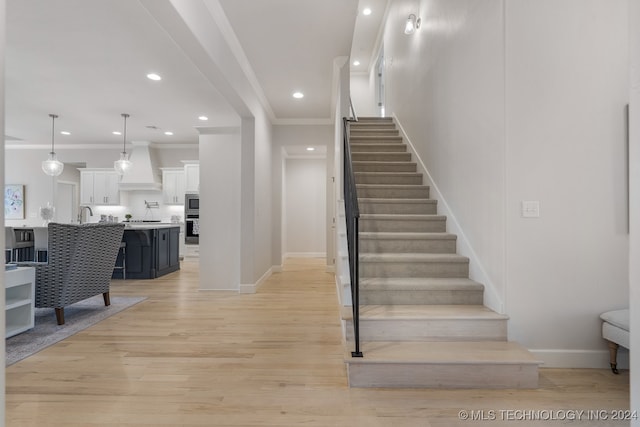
(184, 357)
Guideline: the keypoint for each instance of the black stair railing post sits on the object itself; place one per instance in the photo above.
(352, 215)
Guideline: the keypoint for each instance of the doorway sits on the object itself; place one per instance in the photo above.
(66, 202)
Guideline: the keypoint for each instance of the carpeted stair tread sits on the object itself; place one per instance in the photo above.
(421, 283)
(406, 235)
(424, 312)
(394, 200)
(404, 217)
(413, 257)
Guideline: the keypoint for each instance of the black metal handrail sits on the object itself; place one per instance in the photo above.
(352, 214)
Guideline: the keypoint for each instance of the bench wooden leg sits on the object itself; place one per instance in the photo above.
(60, 315)
(107, 300)
(613, 356)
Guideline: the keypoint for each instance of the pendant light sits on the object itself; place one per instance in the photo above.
(52, 166)
(124, 164)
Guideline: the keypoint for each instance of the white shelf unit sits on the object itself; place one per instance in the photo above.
(19, 286)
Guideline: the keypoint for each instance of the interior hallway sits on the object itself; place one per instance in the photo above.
(186, 357)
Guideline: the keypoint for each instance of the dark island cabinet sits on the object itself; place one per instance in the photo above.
(168, 250)
(151, 252)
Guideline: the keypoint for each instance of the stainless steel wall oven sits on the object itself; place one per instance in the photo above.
(192, 218)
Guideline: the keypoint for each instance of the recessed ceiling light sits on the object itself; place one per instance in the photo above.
(154, 76)
(115, 132)
(64, 132)
(311, 149)
(203, 118)
(356, 63)
(298, 95)
(169, 133)
(366, 11)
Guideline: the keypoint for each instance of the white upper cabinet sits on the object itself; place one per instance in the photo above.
(173, 186)
(192, 177)
(99, 187)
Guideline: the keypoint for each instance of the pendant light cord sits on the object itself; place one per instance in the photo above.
(53, 129)
(124, 134)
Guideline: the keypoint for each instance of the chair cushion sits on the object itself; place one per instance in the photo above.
(619, 318)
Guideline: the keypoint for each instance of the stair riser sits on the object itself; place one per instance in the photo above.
(398, 208)
(406, 226)
(411, 297)
(381, 157)
(426, 246)
(388, 179)
(384, 167)
(414, 269)
(442, 375)
(430, 330)
(413, 192)
(378, 148)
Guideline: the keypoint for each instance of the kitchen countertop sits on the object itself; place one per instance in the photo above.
(149, 225)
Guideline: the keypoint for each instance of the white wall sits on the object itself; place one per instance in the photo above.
(2, 181)
(305, 207)
(634, 208)
(567, 87)
(506, 101)
(363, 95)
(445, 86)
(220, 211)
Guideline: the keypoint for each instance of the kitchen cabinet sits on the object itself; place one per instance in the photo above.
(152, 251)
(173, 186)
(99, 187)
(192, 177)
(168, 250)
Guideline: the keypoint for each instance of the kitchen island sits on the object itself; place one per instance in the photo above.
(152, 250)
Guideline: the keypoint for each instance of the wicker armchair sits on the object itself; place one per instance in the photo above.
(80, 263)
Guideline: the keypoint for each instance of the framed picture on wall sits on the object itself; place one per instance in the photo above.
(14, 201)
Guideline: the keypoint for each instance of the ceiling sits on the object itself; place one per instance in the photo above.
(87, 61)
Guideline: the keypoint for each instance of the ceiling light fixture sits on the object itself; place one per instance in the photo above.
(203, 118)
(298, 95)
(356, 63)
(123, 164)
(169, 133)
(52, 166)
(412, 24)
(64, 132)
(154, 76)
(366, 11)
(116, 132)
(311, 149)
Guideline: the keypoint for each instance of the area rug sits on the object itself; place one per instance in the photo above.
(77, 317)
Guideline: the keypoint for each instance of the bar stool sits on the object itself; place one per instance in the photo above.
(9, 243)
(123, 266)
(40, 242)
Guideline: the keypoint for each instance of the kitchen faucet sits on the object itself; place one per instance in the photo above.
(82, 211)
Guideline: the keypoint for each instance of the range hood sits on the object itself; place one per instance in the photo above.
(142, 176)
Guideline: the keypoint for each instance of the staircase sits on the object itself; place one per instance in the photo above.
(422, 320)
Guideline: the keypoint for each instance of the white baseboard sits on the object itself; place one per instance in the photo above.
(305, 255)
(589, 359)
(253, 288)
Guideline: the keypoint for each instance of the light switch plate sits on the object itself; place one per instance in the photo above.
(531, 209)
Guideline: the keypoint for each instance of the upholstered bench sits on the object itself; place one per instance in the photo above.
(615, 329)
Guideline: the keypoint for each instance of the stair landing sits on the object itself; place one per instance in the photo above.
(443, 365)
